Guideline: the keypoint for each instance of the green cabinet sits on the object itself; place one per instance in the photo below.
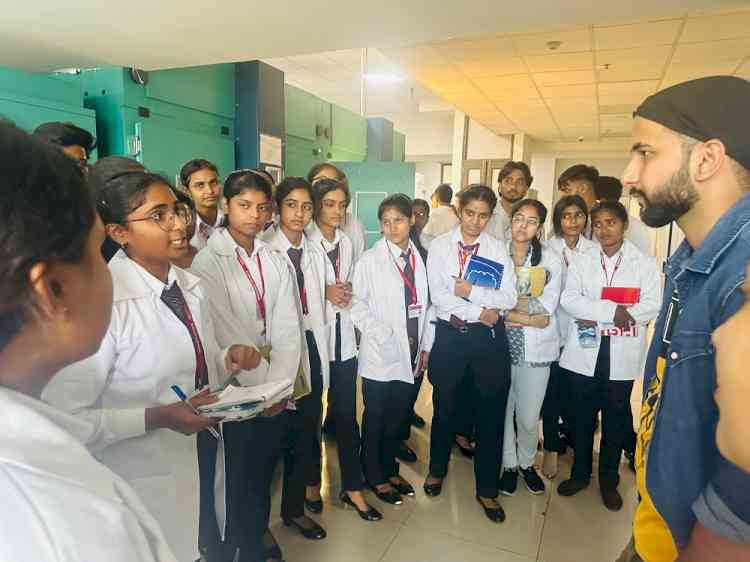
(349, 135)
(399, 147)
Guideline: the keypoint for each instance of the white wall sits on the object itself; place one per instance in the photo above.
(486, 145)
(430, 177)
(426, 133)
(606, 166)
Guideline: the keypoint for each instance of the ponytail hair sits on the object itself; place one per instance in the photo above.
(536, 245)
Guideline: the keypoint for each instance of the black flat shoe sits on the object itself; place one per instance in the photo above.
(571, 487)
(404, 488)
(418, 421)
(315, 533)
(468, 453)
(392, 497)
(405, 454)
(494, 514)
(611, 498)
(314, 506)
(371, 514)
(433, 490)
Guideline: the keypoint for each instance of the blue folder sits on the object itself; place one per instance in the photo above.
(482, 272)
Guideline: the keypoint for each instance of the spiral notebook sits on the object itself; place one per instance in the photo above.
(482, 272)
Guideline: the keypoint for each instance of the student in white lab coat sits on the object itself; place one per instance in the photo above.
(59, 502)
(331, 200)
(307, 266)
(470, 342)
(251, 292)
(534, 344)
(160, 334)
(201, 180)
(390, 308)
(606, 344)
(351, 226)
(569, 219)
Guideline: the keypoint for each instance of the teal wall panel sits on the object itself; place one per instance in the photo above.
(399, 147)
(349, 135)
(301, 113)
(205, 88)
(370, 183)
(299, 156)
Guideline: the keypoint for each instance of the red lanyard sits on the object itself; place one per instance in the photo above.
(337, 265)
(411, 286)
(197, 343)
(607, 278)
(463, 255)
(259, 295)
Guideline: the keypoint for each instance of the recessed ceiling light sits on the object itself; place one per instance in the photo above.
(383, 78)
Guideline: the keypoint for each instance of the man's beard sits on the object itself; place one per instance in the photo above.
(672, 200)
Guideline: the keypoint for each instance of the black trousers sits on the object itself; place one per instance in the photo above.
(406, 426)
(592, 395)
(386, 407)
(465, 408)
(557, 402)
(252, 450)
(484, 353)
(299, 442)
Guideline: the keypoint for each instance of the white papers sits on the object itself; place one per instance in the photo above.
(270, 151)
(236, 403)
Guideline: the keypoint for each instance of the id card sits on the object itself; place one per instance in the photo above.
(587, 337)
(415, 311)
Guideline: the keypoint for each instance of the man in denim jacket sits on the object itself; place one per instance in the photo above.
(690, 164)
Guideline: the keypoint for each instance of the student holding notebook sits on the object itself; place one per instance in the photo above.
(534, 343)
(390, 308)
(251, 292)
(59, 502)
(612, 293)
(161, 334)
(470, 342)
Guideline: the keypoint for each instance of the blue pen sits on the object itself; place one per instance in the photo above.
(181, 395)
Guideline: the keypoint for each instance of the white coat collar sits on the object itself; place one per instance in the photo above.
(128, 283)
(222, 243)
(316, 236)
(456, 237)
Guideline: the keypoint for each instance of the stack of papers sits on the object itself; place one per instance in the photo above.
(237, 403)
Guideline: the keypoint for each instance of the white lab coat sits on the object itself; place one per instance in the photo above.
(198, 241)
(638, 234)
(443, 268)
(379, 311)
(234, 308)
(313, 267)
(356, 232)
(59, 503)
(542, 345)
(442, 220)
(346, 257)
(581, 298)
(567, 255)
(145, 350)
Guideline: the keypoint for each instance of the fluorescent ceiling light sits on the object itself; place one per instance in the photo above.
(383, 78)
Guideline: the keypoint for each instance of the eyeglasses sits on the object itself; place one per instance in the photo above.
(530, 221)
(165, 218)
(508, 181)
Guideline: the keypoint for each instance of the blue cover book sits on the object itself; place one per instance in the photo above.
(482, 272)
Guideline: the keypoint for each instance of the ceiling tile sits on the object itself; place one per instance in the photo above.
(712, 51)
(458, 50)
(561, 62)
(632, 72)
(744, 71)
(654, 55)
(570, 41)
(419, 55)
(577, 91)
(683, 72)
(574, 133)
(714, 28)
(476, 107)
(564, 78)
(637, 35)
(626, 92)
(492, 67)
(629, 108)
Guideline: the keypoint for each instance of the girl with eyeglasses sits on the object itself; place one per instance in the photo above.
(534, 343)
(569, 219)
(161, 334)
(251, 292)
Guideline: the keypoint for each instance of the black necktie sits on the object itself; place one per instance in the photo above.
(295, 254)
(412, 324)
(333, 255)
(175, 300)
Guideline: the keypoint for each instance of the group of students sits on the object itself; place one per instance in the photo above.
(245, 282)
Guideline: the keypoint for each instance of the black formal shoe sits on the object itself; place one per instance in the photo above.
(433, 490)
(314, 506)
(404, 488)
(611, 498)
(272, 548)
(315, 533)
(418, 421)
(571, 487)
(405, 454)
(494, 514)
(465, 451)
(371, 514)
(392, 497)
